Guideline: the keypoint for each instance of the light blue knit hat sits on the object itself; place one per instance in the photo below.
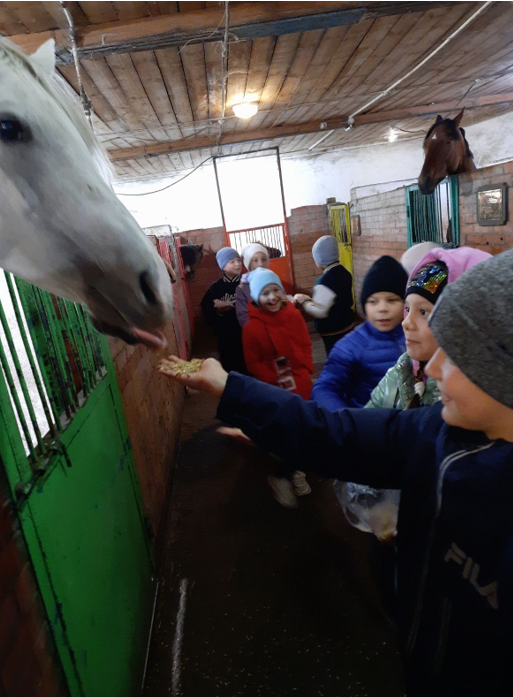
(325, 251)
(259, 279)
(226, 254)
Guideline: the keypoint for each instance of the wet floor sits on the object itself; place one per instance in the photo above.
(259, 600)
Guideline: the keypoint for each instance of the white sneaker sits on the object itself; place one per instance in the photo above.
(301, 486)
(283, 491)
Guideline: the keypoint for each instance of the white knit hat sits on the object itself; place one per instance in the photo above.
(249, 252)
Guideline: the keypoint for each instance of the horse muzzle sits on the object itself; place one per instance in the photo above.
(134, 312)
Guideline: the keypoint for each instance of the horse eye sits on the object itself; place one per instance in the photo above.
(13, 131)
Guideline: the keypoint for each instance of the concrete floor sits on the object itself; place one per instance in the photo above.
(258, 600)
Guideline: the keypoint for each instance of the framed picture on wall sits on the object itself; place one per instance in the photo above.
(355, 226)
(492, 204)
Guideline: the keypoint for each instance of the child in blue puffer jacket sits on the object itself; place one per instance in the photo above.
(358, 361)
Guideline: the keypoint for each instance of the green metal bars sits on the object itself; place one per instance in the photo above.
(51, 359)
(434, 217)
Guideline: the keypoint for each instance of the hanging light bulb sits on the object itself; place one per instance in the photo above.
(245, 110)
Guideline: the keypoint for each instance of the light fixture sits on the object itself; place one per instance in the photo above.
(245, 110)
(392, 135)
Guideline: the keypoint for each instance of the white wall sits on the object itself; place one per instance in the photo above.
(308, 180)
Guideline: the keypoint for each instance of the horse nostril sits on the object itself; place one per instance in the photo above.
(147, 290)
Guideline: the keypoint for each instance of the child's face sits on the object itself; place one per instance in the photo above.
(420, 341)
(272, 298)
(233, 267)
(258, 260)
(384, 311)
(465, 404)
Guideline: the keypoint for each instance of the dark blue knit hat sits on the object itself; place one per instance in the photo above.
(386, 275)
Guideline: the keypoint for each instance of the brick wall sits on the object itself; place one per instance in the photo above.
(208, 270)
(153, 409)
(28, 663)
(306, 225)
(384, 230)
(493, 239)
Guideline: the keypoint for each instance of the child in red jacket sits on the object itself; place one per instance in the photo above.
(278, 350)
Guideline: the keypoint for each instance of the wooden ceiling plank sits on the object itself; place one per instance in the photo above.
(325, 54)
(262, 50)
(187, 159)
(487, 34)
(474, 49)
(10, 24)
(193, 60)
(131, 10)
(101, 106)
(134, 164)
(149, 73)
(308, 44)
(32, 15)
(129, 81)
(190, 6)
(55, 10)
(375, 37)
(171, 68)
(352, 41)
(280, 63)
(99, 12)
(101, 74)
(381, 51)
(431, 29)
(238, 68)
(214, 80)
(162, 8)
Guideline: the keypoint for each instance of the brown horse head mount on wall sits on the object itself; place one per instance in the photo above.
(446, 152)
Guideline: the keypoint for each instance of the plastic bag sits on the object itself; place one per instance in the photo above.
(368, 509)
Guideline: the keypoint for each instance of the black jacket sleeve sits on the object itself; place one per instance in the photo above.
(209, 311)
(366, 446)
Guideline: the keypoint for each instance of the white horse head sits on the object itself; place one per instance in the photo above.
(61, 225)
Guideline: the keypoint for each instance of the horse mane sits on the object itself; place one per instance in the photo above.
(63, 96)
(452, 130)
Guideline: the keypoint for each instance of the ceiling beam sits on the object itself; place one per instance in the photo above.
(166, 147)
(248, 20)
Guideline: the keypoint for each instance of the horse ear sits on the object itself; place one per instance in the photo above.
(438, 119)
(200, 247)
(457, 119)
(44, 57)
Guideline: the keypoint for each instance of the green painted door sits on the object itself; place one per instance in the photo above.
(65, 448)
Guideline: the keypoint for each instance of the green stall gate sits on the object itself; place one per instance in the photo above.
(66, 452)
(434, 217)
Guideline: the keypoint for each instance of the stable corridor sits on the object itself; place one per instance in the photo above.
(259, 600)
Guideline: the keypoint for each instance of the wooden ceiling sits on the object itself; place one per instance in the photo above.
(154, 72)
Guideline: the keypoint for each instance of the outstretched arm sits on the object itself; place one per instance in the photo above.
(367, 446)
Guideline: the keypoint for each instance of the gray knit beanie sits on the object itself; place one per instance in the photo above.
(325, 251)
(224, 255)
(472, 323)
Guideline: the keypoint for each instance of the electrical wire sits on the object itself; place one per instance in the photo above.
(86, 102)
(224, 69)
(157, 191)
(203, 38)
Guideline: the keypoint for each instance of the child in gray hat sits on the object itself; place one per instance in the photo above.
(332, 301)
(453, 463)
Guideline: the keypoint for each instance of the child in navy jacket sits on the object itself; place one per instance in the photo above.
(454, 465)
(358, 361)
